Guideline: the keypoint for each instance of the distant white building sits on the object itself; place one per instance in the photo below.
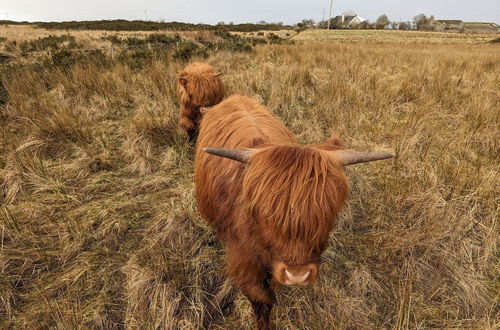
(348, 20)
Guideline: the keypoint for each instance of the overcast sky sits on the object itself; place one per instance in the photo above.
(239, 11)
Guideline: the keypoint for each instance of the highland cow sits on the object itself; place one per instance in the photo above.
(270, 200)
(198, 86)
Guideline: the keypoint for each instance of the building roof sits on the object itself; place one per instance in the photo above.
(449, 21)
(495, 25)
(347, 18)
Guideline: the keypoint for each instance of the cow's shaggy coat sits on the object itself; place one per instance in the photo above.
(277, 209)
(198, 86)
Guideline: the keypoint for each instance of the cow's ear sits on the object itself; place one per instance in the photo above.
(183, 81)
(333, 141)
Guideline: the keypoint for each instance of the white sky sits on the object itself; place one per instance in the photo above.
(238, 11)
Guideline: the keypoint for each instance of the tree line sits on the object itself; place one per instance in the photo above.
(420, 22)
(139, 25)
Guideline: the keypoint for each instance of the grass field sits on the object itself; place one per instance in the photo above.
(87, 38)
(395, 36)
(98, 221)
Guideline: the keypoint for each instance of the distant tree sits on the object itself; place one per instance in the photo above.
(394, 25)
(382, 22)
(420, 21)
(333, 24)
(262, 22)
(404, 26)
(365, 25)
(306, 23)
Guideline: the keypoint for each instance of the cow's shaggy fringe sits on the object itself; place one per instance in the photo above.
(316, 188)
(415, 246)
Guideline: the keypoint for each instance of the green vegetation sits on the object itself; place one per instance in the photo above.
(48, 43)
(155, 38)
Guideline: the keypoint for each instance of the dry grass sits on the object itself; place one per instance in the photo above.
(392, 36)
(90, 38)
(98, 223)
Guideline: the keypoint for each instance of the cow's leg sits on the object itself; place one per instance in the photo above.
(263, 314)
(253, 279)
(193, 134)
(188, 120)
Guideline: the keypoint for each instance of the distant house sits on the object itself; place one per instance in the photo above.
(347, 21)
(447, 25)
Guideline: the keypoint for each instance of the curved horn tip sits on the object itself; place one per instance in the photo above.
(217, 74)
(241, 155)
(348, 157)
(386, 155)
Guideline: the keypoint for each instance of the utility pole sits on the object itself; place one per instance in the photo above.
(330, 16)
(7, 15)
(146, 14)
(323, 15)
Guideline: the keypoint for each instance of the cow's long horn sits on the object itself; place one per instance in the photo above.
(348, 157)
(217, 74)
(240, 155)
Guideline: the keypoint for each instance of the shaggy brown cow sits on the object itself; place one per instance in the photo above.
(198, 86)
(273, 207)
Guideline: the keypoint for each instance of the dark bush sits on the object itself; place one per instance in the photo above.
(225, 35)
(155, 39)
(235, 46)
(187, 49)
(4, 96)
(11, 46)
(132, 41)
(47, 43)
(114, 39)
(258, 41)
(136, 58)
(158, 38)
(274, 39)
(65, 58)
(4, 58)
